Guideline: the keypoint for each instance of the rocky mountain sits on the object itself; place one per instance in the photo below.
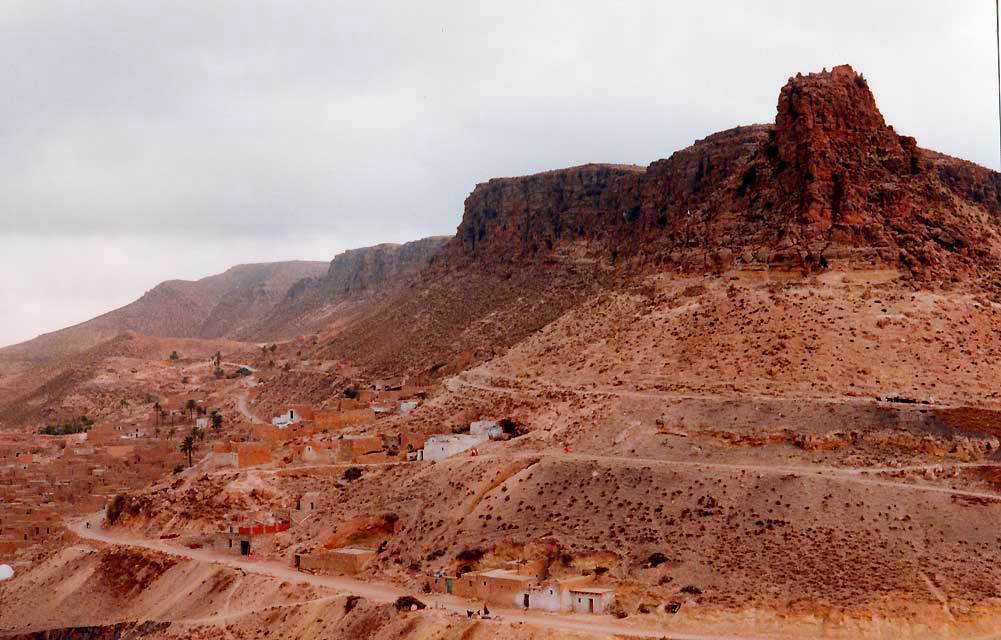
(828, 186)
(828, 181)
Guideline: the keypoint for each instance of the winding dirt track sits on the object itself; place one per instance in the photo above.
(384, 592)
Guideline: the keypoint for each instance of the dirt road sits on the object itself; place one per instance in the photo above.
(384, 592)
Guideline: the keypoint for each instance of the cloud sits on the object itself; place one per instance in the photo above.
(246, 122)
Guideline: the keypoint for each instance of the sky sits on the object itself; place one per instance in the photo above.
(143, 141)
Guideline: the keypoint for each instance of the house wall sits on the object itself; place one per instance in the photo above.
(547, 598)
(335, 561)
(340, 419)
(251, 454)
(350, 449)
(580, 602)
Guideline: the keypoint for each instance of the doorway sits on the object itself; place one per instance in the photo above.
(590, 605)
(244, 547)
(298, 560)
(448, 585)
(525, 597)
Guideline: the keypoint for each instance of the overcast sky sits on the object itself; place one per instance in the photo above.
(142, 141)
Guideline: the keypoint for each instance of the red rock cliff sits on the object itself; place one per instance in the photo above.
(829, 181)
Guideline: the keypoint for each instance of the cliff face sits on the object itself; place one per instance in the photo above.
(830, 180)
(353, 279)
(374, 268)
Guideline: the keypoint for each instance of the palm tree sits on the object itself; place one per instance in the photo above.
(190, 405)
(216, 420)
(189, 446)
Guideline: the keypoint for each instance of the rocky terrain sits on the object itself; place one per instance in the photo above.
(754, 380)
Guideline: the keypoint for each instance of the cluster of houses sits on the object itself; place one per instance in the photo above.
(46, 479)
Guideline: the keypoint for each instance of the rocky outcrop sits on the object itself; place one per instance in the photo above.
(354, 278)
(374, 268)
(829, 181)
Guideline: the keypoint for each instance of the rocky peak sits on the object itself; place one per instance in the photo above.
(830, 144)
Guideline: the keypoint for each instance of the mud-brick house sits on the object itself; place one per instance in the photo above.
(353, 448)
(580, 594)
(308, 502)
(346, 560)
(252, 539)
(240, 455)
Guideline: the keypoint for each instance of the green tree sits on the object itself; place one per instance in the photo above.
(216, 420)
(189, 446)
(174, 356)
(217, 358)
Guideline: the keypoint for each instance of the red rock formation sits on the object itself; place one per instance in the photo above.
(829, 181)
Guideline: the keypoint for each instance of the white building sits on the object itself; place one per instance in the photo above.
(486, 428)
(439, 447)
(285, 419)
(407, 407)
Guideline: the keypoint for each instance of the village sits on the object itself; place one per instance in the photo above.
(47, 481)
(341, 437)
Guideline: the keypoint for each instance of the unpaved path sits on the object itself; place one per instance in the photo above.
(384, 592)
(242, 401)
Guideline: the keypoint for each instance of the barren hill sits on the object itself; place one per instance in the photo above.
(212, 307)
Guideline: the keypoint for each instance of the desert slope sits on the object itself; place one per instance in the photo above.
(213, 307)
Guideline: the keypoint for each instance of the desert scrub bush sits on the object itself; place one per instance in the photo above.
(114, 509)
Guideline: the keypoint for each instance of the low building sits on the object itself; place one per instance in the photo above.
(354, 447)
(407, 407)
(523, 587)
(346, 560)
(294, 415)
(440, 447)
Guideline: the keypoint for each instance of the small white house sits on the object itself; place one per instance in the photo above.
(285, 419)
(439, 447)
(407, 407)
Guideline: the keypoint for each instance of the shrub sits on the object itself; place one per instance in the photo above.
(350, 603)
(691, 589)
(656, 559)
(82, 424)
(114, 509)
(174, 356)
(350, 392)
(178, 468)
(471, 555)
(352, 473)
(600, 571)
(405, 603)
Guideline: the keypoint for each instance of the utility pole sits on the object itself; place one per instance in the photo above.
(997, 42)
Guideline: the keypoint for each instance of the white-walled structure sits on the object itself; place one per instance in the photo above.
(440, 447)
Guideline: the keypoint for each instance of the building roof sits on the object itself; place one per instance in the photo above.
(506, 574)
(354, 551)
